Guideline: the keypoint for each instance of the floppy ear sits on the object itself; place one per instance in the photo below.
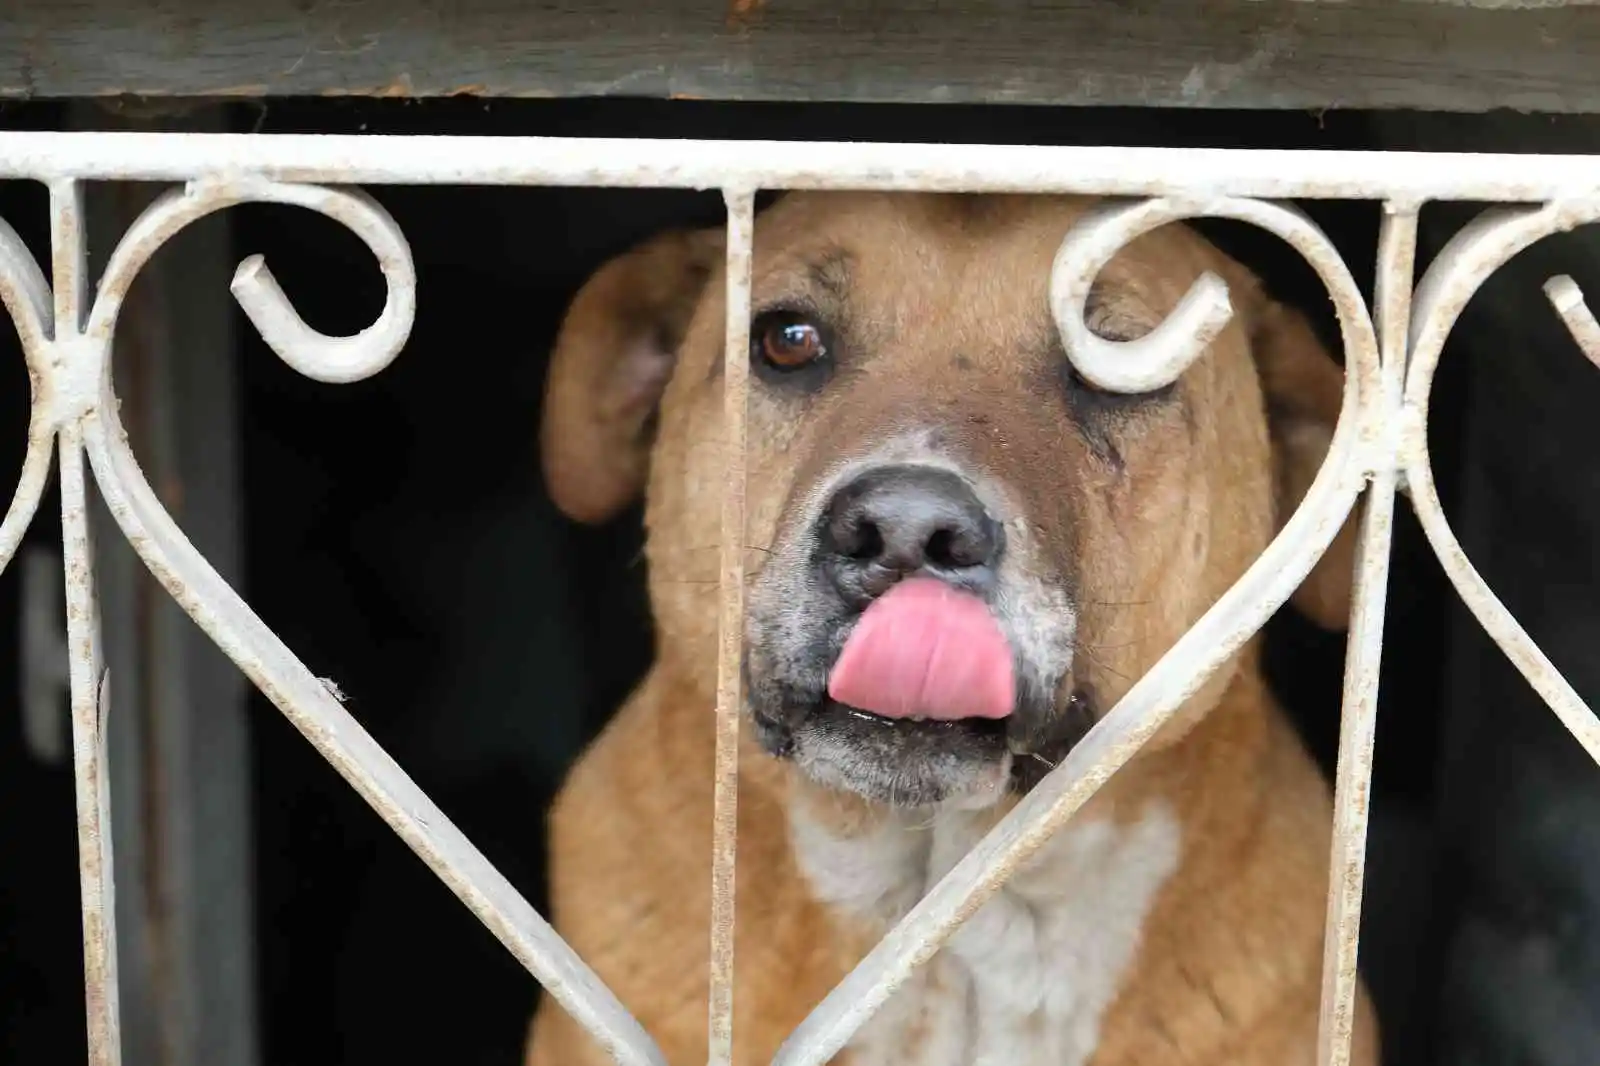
(613, 358)
(1304, 390)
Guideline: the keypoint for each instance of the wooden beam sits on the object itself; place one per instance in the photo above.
(1177, 53)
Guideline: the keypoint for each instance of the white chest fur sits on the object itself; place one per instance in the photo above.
(1026, 981)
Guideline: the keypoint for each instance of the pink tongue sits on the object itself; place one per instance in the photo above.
(928, 650)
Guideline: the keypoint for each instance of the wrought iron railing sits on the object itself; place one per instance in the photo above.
(66, 325)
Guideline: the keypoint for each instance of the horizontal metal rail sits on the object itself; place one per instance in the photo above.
(67, 328)
(695, 164)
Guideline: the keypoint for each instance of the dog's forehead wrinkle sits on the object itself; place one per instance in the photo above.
(829, 269)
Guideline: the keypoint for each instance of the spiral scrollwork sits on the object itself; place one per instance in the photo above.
(70, 372)
(74, 398)
(328, 359)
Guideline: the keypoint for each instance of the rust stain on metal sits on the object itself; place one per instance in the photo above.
(401, 87)
(90, 698)
(744, 14)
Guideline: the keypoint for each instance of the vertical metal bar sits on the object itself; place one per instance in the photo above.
(178, 746)
(89, 690)
(1397, 245)
(121, 588)
(730, 638)
(69, 257)
(92, 772)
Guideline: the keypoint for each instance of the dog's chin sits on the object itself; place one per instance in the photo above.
(900, 762)
(971, 763)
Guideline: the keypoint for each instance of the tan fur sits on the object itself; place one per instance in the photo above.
(943, 294)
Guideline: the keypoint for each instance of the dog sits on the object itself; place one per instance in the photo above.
(960, 554)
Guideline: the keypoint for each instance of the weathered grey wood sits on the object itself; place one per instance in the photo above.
(1187, 53)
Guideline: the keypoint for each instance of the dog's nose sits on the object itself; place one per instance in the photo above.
(897, 520)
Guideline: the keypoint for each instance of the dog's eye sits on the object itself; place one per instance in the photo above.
(785, 340)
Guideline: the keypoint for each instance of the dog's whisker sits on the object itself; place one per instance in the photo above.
(1102, 664)
(1118, 674)
(1115, 647)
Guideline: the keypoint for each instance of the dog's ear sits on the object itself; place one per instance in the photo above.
(613, 358)
(1304, 390)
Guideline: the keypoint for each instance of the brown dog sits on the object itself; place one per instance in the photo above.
(912, 415)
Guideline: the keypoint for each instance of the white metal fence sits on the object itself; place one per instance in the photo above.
(66, 326)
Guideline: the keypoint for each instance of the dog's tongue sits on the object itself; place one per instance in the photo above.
(925, 649)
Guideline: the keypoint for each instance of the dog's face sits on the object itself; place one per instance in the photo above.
(922, 456)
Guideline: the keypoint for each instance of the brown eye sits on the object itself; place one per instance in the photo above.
(786, 341)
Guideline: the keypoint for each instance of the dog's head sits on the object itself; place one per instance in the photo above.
(959, 551)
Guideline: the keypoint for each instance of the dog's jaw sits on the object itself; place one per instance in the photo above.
(903, 764)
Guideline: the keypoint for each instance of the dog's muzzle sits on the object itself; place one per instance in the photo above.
(880, 655)
(892, 522)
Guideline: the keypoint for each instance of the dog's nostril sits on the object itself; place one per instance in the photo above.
(852, 533)
(902, 519)
(946, 548)
(962, 547)
(868, 542)
(856, 538)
